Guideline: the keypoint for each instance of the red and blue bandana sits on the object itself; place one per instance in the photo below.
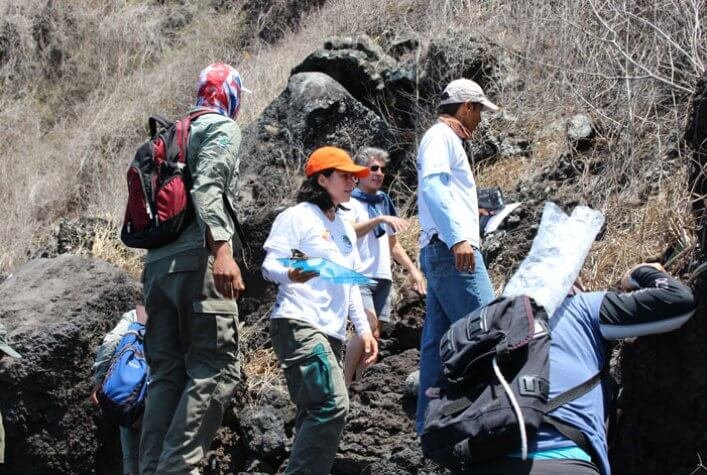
(219, 89)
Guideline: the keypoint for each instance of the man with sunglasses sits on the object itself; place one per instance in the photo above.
(376, 223)
(457, 281)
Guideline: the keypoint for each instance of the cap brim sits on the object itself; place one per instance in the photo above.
(9, 351)
(488, 105)
(359, 171)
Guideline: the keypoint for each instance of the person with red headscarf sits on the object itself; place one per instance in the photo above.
(190, 287)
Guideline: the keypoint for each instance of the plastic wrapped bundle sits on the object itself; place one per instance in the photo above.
(557, 255)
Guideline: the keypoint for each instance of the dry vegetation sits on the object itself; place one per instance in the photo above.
(78, 79)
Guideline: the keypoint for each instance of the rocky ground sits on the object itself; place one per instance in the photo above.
(351, 92)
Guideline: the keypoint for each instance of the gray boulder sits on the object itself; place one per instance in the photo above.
(580, 131)
(412, 383)
(57, 311)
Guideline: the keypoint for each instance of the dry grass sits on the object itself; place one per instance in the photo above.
(89, 73)
(636, 234)
(264, 375)
(505, 173)
(108, 247)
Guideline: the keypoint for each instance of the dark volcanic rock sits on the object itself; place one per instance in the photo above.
(381, 418)
(269, 20)
(456, 55)
(70, 237)
(264, 432)
(357, 63)
(696, 137)
(662, 403)
(313, 111)
(406, 460)
(57, 311)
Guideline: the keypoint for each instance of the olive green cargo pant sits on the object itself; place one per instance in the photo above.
(191, 345)
(315, 380)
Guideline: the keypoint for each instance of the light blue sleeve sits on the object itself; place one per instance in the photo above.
(110, 343)
(438, 196)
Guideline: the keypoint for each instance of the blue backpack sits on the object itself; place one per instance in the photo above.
(122, 395)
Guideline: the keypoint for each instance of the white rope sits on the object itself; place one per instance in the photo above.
(516, 408)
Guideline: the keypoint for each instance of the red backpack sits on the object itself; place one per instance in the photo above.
(159, 204)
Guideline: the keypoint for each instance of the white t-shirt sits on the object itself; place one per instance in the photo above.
(374, 251)
(317, 301)
(441, 151)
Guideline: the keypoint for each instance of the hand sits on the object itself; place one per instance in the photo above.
(94, 395)
(484, 212)
(374, 324)
(227, 274)
(398, 224)
(301, 276)
(626, 281)
(418, 282)
(370, 349)
(464, 259)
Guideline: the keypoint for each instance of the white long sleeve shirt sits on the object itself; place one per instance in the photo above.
(319, 302)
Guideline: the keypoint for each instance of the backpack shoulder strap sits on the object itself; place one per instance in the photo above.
(575, 392)
(236, 224)
(568, 430)
(183, 132)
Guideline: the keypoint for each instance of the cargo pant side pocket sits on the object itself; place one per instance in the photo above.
(309, 379)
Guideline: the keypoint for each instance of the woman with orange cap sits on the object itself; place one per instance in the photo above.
(308, 323)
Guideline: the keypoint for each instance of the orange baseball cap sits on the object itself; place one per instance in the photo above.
(325, 158)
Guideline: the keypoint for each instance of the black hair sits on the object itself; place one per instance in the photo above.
(312, 192)
(450, 109)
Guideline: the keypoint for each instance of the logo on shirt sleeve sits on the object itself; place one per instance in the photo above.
(223, 142)
(348, 246)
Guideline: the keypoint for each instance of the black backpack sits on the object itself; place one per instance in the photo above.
(503, 344)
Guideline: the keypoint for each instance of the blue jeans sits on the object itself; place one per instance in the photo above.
(451, 295)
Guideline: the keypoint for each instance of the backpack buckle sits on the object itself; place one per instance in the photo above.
(534, 386)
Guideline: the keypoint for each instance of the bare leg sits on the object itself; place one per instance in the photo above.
(353, 364)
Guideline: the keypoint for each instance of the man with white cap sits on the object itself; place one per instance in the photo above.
(5, 349)
(457, 281)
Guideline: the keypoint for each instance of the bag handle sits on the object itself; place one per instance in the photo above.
(156, 120)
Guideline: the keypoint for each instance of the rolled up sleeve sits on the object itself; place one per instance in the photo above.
(217, 159)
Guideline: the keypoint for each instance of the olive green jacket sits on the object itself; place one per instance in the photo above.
(213, 160)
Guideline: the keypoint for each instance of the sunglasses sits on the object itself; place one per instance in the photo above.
(375, 168)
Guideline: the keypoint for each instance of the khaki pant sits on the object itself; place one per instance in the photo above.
(191, 345)
(315, 380)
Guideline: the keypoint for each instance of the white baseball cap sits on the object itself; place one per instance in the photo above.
(460, 91)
